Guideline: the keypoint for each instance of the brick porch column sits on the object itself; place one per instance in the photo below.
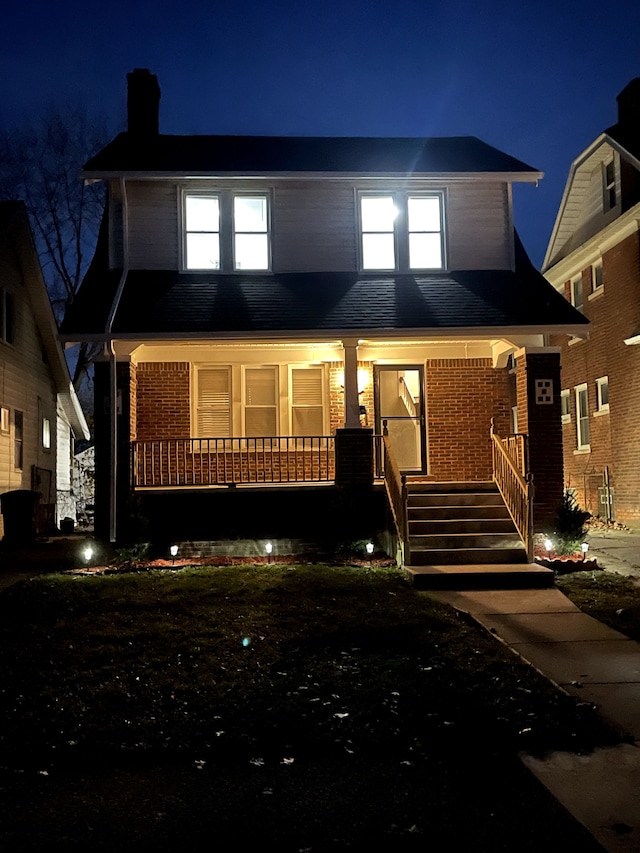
(354, 458)
(539, 417)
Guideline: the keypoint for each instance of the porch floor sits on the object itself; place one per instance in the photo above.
(487, 576)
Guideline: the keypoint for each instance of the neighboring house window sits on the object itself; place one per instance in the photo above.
(565, 406)
(582, 417)
(401, 232)
(576, 293)
(46, 433)
(596, 276)
(261, 401)
(609, 185)
(7, 316)
(226, 231)
(4, 419)
(18, 439)
(213, 402)
(602, 394)
(307, 401)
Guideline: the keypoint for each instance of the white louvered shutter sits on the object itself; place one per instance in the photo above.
(306, 401)
(214, 402)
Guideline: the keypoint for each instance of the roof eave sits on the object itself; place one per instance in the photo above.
(531, 177)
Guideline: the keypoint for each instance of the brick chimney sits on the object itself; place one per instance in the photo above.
(629, 108)
(143, 103)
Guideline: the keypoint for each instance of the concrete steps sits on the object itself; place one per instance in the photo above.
(460, 535)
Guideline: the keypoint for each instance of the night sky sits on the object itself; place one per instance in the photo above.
(537, 80)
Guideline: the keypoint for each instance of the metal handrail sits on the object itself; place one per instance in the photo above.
(233, 460)
(515, 483)
(396, 489)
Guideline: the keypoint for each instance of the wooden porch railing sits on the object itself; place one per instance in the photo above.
(231, 461)
(515, 482)
(396, 487)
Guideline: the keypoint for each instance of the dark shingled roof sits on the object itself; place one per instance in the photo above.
(268, 154)
(174, 304)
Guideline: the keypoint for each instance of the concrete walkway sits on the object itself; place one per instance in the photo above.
(594, 663)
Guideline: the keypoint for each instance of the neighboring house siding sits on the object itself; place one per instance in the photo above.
(314, 224)
(615, 315)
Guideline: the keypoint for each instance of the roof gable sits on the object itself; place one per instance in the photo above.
(581, 213)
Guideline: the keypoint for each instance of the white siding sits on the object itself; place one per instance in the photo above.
(25, 385)
(314, 226)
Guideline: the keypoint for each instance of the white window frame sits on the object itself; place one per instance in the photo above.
(576, 282)
(324, 393)
(602, 382)
(46, 433)
(580, 431)
(565, 403)
(401, 233)
(226, 232)
(5, 419)
(274, 368)
(596, 272)
(609, 194)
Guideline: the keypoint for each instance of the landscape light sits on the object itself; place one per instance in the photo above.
(173, 550)
(369, 548)
(548, 544)
(87, 553)
(268, 547)
(585, 548)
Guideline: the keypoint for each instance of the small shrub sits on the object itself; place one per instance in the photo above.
(132, 554)
(569, 525)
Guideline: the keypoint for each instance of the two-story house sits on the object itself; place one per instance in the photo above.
(294, 311)
(593, 259)
(39, 411)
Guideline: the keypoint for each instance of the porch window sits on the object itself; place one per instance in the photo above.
(401, 232)
(582, 418)
(307, 396)
(261, 399)
(213, 406)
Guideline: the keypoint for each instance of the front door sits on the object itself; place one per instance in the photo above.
(399, 401)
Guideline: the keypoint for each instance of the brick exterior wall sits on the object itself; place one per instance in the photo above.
(615, 315)
(163, 403)
(336, 395)
(542, 424)
(462, 395)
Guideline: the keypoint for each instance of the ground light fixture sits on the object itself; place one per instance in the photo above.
(87, 553)
(173, 550)
(585, 548)
(269, 549)
(369, 547)
(548, 544)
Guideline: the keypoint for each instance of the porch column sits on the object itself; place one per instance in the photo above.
(351, 399)
(539, 417)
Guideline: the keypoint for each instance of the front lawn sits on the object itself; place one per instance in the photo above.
(320, 708)
(611, 598)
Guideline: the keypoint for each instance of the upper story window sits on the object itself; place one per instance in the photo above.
(576, 293)
(597, 279)
(602, 394)
(7, 316)
(609, 185)
(226, 231)
(401, 231)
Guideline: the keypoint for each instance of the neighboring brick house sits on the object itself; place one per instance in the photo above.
(593, 259)
(39, 411)
(268, 305)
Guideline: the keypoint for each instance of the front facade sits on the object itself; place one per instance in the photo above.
(593, 259)
(39, 410)
(270, 305)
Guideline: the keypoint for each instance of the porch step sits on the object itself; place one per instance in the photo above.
(463, 526)
(507, 576)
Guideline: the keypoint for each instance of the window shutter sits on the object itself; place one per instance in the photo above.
(306, 401)
(260, 401)
(214, 403)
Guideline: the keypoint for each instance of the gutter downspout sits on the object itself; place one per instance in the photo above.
(110, 353)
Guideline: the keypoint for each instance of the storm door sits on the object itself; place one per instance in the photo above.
(399, 400)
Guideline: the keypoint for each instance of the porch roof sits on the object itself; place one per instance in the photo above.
(174, 304)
